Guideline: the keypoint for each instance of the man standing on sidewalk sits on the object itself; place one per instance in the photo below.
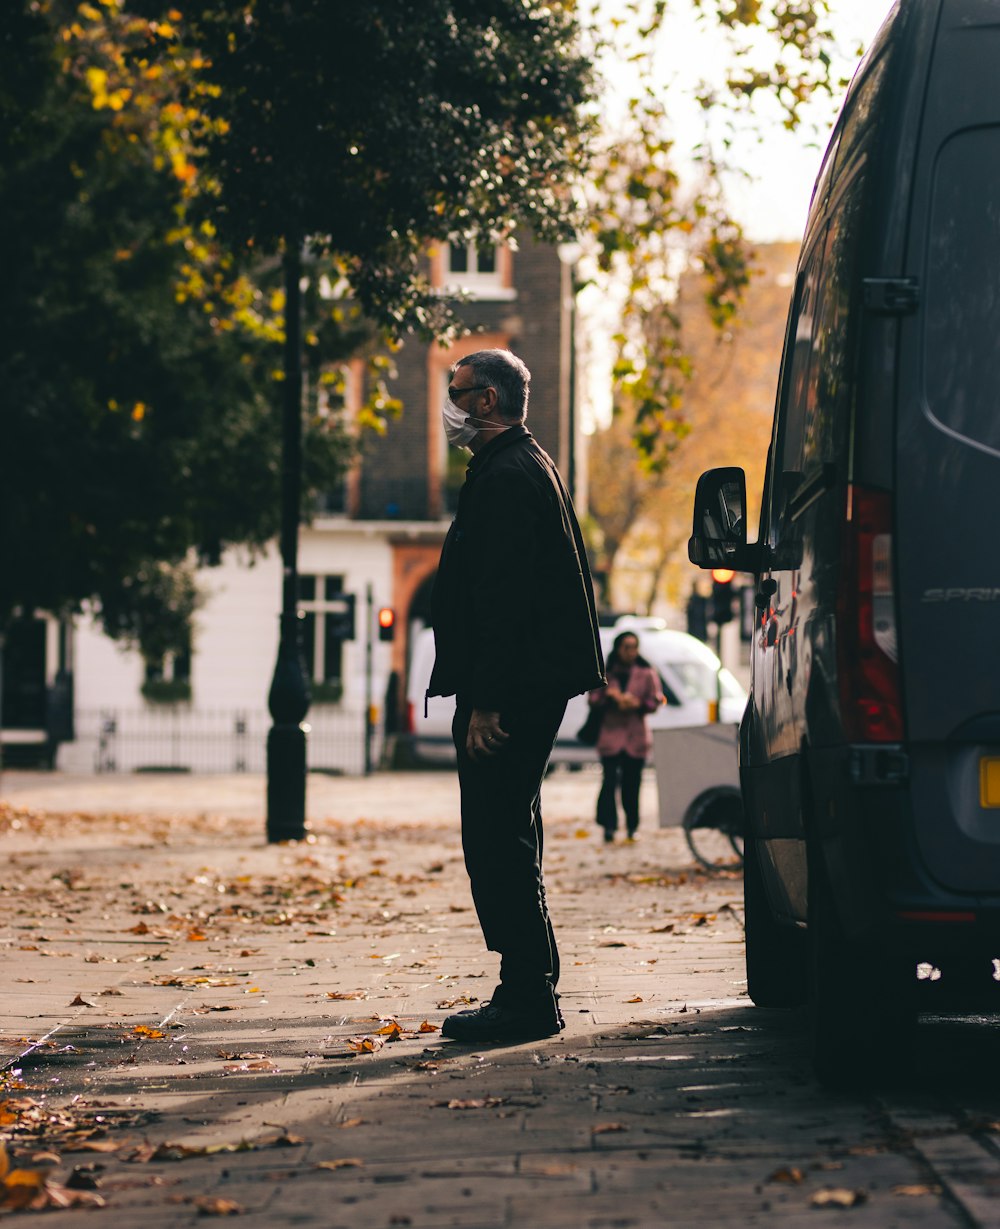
(515, 630)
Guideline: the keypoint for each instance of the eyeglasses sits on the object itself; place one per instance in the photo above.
(454, 393)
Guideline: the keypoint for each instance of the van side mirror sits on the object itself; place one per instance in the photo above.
(719, 536)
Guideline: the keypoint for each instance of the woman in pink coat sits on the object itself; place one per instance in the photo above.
(624, 742)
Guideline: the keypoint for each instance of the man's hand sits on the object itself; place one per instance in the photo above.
(485, 737)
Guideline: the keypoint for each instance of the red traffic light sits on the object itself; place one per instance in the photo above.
(386, 623)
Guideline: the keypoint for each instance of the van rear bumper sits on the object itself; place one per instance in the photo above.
(868, 814)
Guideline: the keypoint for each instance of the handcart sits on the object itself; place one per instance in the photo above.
(697, 779)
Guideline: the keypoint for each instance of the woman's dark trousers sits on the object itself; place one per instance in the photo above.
(502, 839)
(625, 772)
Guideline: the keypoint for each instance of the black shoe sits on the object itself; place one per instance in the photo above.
(496, 1022)
(609, 836)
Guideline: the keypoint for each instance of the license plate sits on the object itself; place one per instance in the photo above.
(989, 781)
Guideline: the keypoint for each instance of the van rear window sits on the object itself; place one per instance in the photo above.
(961, 336)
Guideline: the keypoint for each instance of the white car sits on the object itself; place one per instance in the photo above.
(690, 674)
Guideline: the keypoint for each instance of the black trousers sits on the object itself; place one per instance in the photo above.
(625, 772)
(502, 839)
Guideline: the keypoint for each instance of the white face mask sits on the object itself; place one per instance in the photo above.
(457, 426)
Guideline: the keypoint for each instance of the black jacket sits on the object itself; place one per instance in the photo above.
(513, 602)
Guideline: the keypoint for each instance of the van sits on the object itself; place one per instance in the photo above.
(692, 678)
(870, 747)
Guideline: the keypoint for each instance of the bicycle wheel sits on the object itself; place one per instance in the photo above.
(713, 829)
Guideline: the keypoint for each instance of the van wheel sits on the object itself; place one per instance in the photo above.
(862, 1006)
(775, 954)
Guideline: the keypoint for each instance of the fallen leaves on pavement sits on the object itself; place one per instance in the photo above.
(169, 1151)
(364, 1045)
(31, 1189)
(790, 1174)
(194, 979)
(214, 1205)
(473, 1103)
(838, 1197)
(144, 1033)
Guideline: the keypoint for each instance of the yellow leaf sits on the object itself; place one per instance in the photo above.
(791, 1174)
(343, 1162)
(214, 1205)
(838, 1197)
(21, 1186)
(97, 79)
(427, 1027)
(365, 1045)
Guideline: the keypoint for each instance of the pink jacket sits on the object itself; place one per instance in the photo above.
(627, 730)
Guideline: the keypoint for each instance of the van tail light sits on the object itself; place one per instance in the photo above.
(867, 654)
(411, 725)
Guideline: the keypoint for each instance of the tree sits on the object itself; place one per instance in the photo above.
(729, 403)
(375, 129)
(656, 210)
(140, 359)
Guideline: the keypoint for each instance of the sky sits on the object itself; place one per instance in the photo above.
(785, 164)
(773, 204)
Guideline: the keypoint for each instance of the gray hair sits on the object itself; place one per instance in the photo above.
(506, 373)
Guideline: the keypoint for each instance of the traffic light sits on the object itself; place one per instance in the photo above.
(722, 595)
(386, 623)
(697, 616)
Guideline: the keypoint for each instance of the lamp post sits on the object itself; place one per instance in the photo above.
(288, 699)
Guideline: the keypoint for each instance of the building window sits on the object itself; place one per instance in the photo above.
(167, 679)
(323, 602)
(472, 259)
(480, 270)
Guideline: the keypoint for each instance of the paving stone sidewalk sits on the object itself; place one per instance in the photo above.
(197, 1023)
